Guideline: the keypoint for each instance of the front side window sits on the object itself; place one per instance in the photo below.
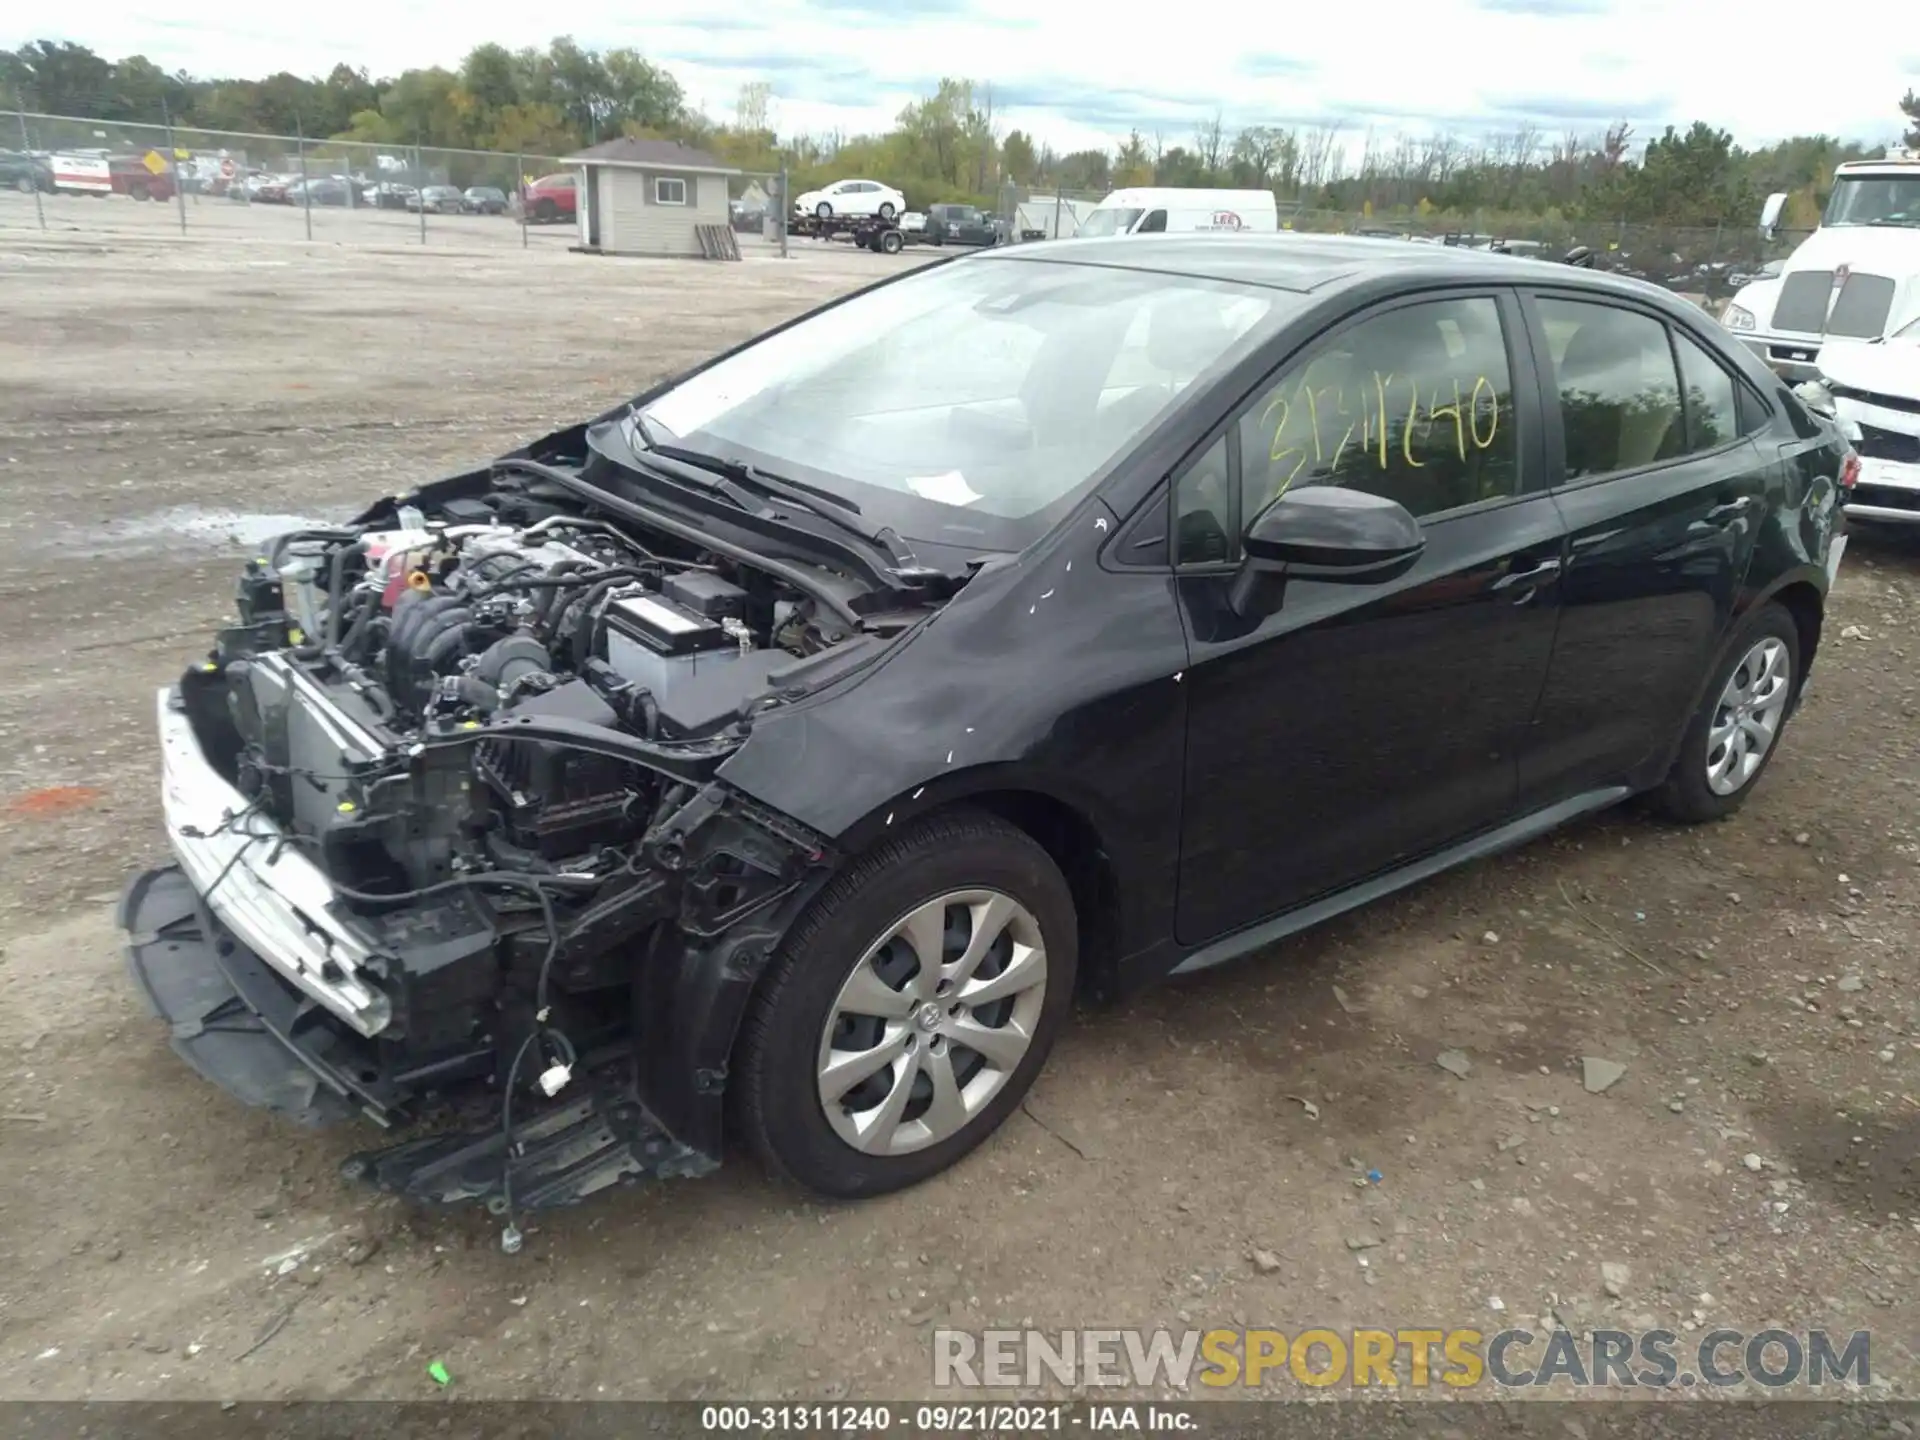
(1154, 224)
(1415, 404)
(1109, 222)
(976, 394)
(1619, 394)
(668, 190)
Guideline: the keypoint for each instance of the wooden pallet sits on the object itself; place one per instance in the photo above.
(718, 242)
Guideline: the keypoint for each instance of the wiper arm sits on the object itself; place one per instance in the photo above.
(754, 480)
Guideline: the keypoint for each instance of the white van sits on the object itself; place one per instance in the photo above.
(1181, 212)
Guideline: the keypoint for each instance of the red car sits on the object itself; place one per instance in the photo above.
(131, 176)
(549, 198)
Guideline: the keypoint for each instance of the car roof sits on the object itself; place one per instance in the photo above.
(1305, 264)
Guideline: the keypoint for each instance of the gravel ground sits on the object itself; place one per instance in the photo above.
(1199, 1157)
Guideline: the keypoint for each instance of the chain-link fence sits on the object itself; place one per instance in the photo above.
(64, 172)
(1707, 262)
(69, 173)
(61, 172)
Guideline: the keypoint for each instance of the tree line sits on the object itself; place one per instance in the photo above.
(948, 145)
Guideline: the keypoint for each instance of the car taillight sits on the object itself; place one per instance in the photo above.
(1849, 471)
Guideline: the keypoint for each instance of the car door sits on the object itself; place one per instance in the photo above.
(1652, 459)
(1357, 727)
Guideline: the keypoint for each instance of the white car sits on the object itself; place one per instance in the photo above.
(852, 197)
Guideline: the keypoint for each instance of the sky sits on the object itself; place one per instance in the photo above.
(1080, 73)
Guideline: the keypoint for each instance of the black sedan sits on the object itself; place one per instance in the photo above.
(785, 750)
(485, 200)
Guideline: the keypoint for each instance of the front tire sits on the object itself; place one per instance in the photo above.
(909, 1009)
(887, 210)
(823, 211)
(1735, 734)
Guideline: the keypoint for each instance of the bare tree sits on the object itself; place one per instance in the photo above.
(750, 109)
(1209, 143)
(1614, 148)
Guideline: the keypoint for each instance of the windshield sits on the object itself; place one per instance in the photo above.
(1875, 200)
(1109, 222)
(967, 403)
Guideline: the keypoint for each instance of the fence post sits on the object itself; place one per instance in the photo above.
(173, 165)
(520, 194)
(785, 207)
(1711, 280)
(1056, 211)
(419, 189)
(26, 149)
(306, 194)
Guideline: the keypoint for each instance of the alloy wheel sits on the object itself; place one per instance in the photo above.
(932, 1022)
(1747, 718)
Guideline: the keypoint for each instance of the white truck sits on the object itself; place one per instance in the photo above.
(1843, 319)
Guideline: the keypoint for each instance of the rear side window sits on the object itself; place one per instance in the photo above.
(1618, 390)
(1713, 415)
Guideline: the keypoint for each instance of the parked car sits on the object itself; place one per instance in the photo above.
(852, 198)
(391, 195)
(484, 200)
(960, 225)
(439, 200)
(746, 218)
(322, 190)
(786, 748)
(549, 198)
(24, 172)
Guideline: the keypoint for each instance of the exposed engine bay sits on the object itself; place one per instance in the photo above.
(448, 833)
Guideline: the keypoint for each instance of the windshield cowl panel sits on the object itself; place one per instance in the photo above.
(972, 404)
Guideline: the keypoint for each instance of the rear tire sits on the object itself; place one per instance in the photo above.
(1736, 732)
(893, 242)
(545, 211)
(849, 980)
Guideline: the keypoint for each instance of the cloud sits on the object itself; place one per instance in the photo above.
(1267, 63)
(1548, 8)
(1080, 73)
(894, 8)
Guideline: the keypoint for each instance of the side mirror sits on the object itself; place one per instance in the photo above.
(1326, 533)
(1581, 255)
(1770, 215)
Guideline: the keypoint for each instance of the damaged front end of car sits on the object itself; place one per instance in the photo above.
(450, 849)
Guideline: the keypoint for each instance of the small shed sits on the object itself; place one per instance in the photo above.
(647, 197)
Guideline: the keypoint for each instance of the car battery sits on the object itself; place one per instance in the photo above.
(654, 642)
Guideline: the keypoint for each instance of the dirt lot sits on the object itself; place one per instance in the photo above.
(1197, 1157)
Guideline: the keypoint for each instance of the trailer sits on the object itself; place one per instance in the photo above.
(869, 232)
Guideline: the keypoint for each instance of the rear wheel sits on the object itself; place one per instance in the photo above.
(545, 211)
(1733, 736)
(909, 1009)
(893, 242)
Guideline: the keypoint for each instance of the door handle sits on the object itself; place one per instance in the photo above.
(1531, 578)
(1731, 509)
